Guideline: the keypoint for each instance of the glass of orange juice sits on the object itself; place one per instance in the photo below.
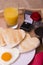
(11, 16)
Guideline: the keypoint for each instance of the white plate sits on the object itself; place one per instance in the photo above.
(25, 58)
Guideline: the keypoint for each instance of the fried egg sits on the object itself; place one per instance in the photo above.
(8, 56)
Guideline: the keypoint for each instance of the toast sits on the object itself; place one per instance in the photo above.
(28, 44)
(2, 42)
(13, 37)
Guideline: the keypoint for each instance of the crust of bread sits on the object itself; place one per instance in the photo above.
(13, 37)
(28, 44)
(2, 42)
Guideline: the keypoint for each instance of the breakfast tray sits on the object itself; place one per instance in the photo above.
(20, 21)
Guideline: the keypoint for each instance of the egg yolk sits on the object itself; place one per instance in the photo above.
(6, 56)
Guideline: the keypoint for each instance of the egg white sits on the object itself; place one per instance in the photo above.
(14, 52)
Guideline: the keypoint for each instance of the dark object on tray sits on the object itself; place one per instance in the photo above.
(39, 32)
(26, 26)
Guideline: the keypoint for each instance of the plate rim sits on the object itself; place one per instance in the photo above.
(29, 60)
(33, 56)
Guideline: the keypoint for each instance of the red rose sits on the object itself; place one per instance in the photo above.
(35, 16)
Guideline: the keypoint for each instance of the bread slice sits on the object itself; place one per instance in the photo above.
(28, 44)
(2, 42)
(13, 37)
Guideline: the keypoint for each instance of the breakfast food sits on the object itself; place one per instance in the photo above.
(13, 37)
(8, 56)
(28, 44)
(11, 16)
(10, 38)
(2, 42)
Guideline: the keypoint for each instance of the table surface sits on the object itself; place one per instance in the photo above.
(21, 3)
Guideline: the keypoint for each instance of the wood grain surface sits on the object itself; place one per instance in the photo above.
(21, 3)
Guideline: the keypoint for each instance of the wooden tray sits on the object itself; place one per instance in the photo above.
(20, 21)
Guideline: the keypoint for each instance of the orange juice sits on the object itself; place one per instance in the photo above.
(11, 16)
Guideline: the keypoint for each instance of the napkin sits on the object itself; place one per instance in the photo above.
(38, 59)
